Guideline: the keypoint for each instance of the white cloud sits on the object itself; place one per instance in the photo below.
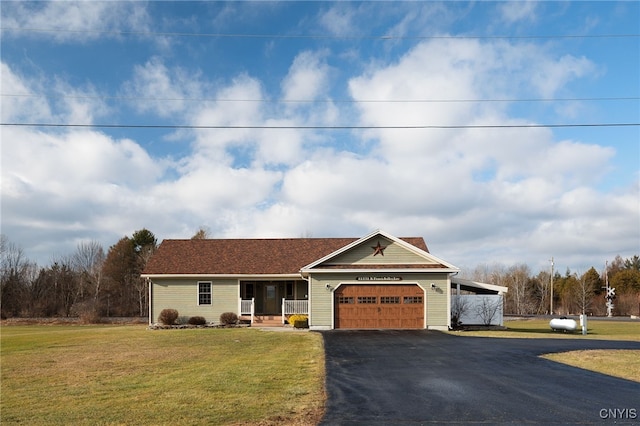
(232, 110)
(25, 107)
(75, 21)
(495, 189)
(420, 76)
(167, 92)
(282, 146)
(550, 76)
(48, 100)
(207, 191)
(83, 182)
(513, 195)
(78, 181)
(307, 77)
(79, 157)
(338, 20)
(79, 105)
(514, 11)
(423, 18)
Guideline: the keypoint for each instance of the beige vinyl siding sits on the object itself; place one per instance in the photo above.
(226, 297)
(436, 299)
(182, 295)
(437, 305)
(321, 299)
(363, 254)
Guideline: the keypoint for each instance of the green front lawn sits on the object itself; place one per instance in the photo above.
(120, 375)
(130, 375)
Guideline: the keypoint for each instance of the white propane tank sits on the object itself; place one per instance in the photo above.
(564, 324)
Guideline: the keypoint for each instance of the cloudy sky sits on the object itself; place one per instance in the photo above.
(501, 132)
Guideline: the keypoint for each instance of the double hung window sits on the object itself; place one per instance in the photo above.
(204, 293)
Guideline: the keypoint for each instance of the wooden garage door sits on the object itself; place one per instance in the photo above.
(379, 306)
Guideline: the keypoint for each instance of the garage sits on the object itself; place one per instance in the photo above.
(379, 306)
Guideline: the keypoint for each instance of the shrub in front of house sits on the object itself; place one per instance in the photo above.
(298, 321)
(456, 324)
(228, 318)
(168, 316)
(197, 320)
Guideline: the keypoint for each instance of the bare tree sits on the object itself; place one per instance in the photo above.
(583, 293)
(541, 292)
(519, 295)
(488, 309)
(65, 282)
(88, 260)
(202, 233)
(42, 298)
(493, 274)
(459, 307)
(13, 278)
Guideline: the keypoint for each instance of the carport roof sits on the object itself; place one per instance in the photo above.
(478, 287)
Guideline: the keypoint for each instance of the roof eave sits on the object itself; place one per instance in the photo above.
(306, 272)
(220, 276)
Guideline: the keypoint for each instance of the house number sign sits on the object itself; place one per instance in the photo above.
(372, 278)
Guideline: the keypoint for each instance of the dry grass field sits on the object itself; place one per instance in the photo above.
(118, 375)
(126, 374)
(621, 363)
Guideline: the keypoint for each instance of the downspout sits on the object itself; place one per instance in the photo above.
(150, 300)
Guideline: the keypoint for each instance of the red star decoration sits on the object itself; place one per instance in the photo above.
(378, 250)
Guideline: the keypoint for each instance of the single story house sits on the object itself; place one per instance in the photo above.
(374, 282)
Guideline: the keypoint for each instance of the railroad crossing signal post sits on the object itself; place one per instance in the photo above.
(610, 296)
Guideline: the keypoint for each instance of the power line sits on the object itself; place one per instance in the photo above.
(309, 36)
(131, 98)
(319, 127)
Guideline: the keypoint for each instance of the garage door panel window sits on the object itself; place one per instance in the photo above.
(367, 299)
(410, 300)
(346, 300)
(389, 300)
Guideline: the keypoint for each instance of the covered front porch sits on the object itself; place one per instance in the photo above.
(271, 302)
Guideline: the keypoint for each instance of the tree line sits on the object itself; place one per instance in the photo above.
(573, 292)
(91, 284)
(88, 283)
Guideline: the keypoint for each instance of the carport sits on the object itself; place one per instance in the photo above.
(477, 303)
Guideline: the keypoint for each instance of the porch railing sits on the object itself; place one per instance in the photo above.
(248, 307)
(294, 307)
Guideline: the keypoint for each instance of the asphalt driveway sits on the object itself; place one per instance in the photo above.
(427, 377)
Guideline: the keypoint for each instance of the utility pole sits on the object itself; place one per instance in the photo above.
(551, 301)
